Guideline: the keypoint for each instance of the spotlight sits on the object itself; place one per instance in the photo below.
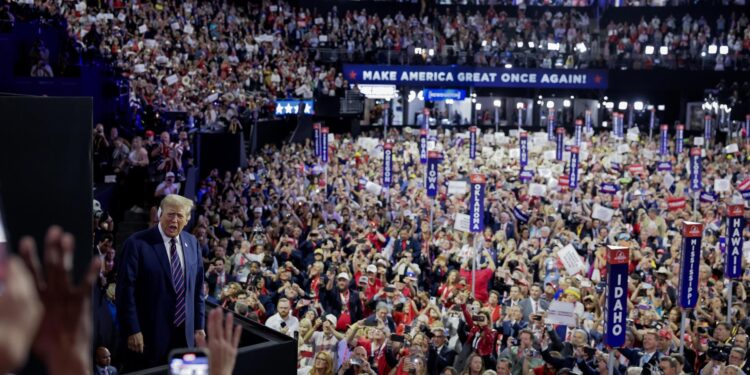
(552, 46)
(622, 106)
(581, 47)
(609, 105)
(417, 51)
(531, 44)
(712, 49)
(566, 103)
(663, 50)
(508, 66)
(431, 52)
(550, 104)
(497, 103)
(724, 50)
(638, 106)
(519, 44)
(478, 106)
(449, 101)
(649, 50)
(520, 105)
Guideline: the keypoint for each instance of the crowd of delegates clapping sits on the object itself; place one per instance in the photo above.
(368, 286)
(693, 42)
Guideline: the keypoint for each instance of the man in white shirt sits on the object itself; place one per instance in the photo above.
(283, 321)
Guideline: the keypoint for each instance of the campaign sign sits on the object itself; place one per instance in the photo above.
(707, 127)
(433, 95)
(551, 125)
(422, 146)
(735, 224)
(559, 143)
(692, 233)
(696, 168)
(523, 144)
(608, 188)
(324, 144)
(664, 166)
(663, 140)
(526, 175)
(587, 121)
(387, 164)
(473, 142)
(579, 126)
(678, 140)
(574, 155)
(433, 158)
(616, 313)
(476, 202)
(316, 137)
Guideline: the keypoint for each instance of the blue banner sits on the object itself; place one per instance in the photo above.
(608, 188)
(523, 144)
(526, 175)
(288, 107)
(618, 120)
(708, 197)
(316, 138)
(689, 264)
(707, 131)
(387, 164)
(587, 121)
(464, 75)
(324, 145)
(578, 129)
(747, 126)
(696, 168)
(434, 95)
(422, 146)
(473, 142)
(735, 225)
(559, 143)
(679, 137)
(663, 140)
(651, 123)
(664, 166)
(574, 167)
(616, 312)
(551, 125)
(476, 203)
(433, 158)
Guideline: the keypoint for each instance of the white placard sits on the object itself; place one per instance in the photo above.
(188, 29)
(571, 260)
(698, 141)
(212, 98)
(142, 29)
(648, 154)
(122, 17)
(537, 190)
(514, 153)
(175, 25)
(721, 185)
(513, 133)
(602, 213)
(323, 38)
(457, 187)
(488, 139)
(373, 188)
(319, 21)
(623, 149)
(632, 137)
(462, 223)
(171, 80)
(139, 68)
(668, 180)
(549, 155)
(731, 148)
(562, 313)
(545, 172)
(487, 151)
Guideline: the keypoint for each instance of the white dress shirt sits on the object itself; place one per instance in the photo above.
(167, 243)
(291, 323)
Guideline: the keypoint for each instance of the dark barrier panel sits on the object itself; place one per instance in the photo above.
(220, 151)
(46, 173)
(262, 350)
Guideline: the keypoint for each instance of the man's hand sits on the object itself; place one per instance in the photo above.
(63, 341)
(135, 342)
(222, 344)
(200, 334)
(20, 313)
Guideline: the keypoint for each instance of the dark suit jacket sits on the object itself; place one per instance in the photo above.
(444, 358)
(146, 297)
(331, 301)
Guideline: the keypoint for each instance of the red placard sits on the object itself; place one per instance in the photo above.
(695, 151)
(477, 178)
(433, 154)
(618, 255)
(692, 229)
(736, 210)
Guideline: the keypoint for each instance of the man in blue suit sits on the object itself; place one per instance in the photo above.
(159, 296)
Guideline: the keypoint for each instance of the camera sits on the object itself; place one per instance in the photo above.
(718, 352)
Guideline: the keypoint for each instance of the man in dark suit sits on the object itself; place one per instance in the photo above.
(160, 302)
(103, 360)
(533, 304)
(405, 244)
(341, 301)
(445, 356)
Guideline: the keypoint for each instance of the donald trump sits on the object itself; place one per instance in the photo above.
(160, 304)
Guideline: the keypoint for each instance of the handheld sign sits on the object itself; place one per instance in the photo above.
(473, 142)
(663, 140)
(422, 146)
(433, 157)
(574, 151)
(696, 168)
(616, 315)
(316, 137)
(579, 126)
(324, 144)
(551, 125)
(707, 131)
(559, 143)
(735, 224)
(387, 164)
(692, 234)
(679, 137)
(523, 144)
(476, 202)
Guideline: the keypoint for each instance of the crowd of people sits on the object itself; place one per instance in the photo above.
(692, 43)
(379, 281)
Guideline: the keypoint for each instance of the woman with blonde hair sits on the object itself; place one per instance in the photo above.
(322, 364)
